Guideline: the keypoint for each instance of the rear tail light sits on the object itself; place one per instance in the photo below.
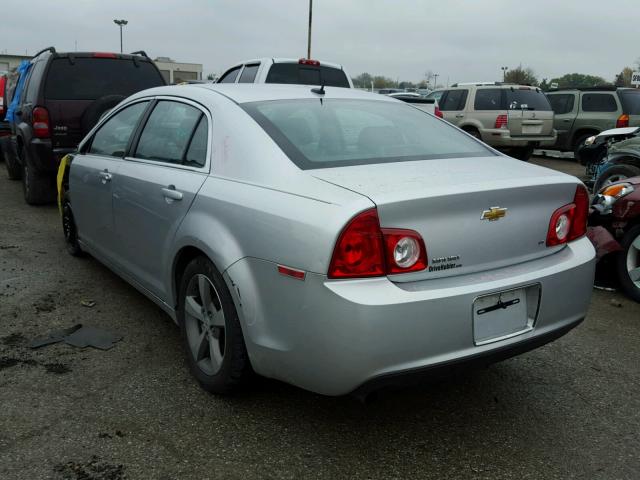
(570, 221)
(502, 121)
(308, 61)
(41, 122)
(104, 55)
(623, 121)
(364, 249)
(438, 113)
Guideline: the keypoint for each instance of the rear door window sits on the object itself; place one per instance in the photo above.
(230, 76)
(293, 73)
(527, 99)
(113, 137)
(488, 99)
(599, 102)
(630, 102)
(249, 73)
(562, 102)
(168, 131)
(453, 100)
(93, 78)
(197, 152)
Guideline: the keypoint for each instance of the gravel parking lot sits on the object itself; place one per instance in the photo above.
(567, 410)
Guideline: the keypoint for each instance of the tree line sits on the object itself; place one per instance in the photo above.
(520, 75)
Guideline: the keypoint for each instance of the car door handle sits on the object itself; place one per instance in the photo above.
(170, 193)
(566, 120)
(459, 115)
(105, 177)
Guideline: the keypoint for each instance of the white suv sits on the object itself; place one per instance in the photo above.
(286, 70)
(510, 117)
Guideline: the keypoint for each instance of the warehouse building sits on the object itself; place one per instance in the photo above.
(9, 62)
(176, 72)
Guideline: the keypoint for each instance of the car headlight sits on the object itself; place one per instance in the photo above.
(590, 140)
(610, 194)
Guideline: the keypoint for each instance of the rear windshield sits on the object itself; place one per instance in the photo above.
(630, 102)
(527, 99)
(294, 73)
(328, 133)
(93, 78)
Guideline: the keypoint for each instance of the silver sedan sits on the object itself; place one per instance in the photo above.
(337, 240)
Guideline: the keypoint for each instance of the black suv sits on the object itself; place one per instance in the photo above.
(65, 94)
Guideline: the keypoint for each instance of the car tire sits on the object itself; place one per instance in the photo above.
(38, 189)
(69, 228)
(628, 261)
(8, 152)
(578, 142)
(522, 153)
(211, 331)
(615, 174)
(474, 132)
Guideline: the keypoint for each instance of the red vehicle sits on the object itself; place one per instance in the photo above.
(614, 229)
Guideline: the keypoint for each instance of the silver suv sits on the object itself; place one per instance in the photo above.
(514, 118)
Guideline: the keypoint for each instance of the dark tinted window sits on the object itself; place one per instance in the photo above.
(562, 103)
(197, 153)
(341, 132)
(92, 78)
(453, 100)
(630, 101)
(488, 99)
(293, 73)
(230, 76)
(167, 132)
(599, 102)
(113, 137)
(33, 84)
(525, 98)
(249, 73)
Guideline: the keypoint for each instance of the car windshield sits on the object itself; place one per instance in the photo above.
(630, 102)
(324, 133)
(528, 99)
(92, 78)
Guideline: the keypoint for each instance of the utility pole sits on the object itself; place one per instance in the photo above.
(435, 80)
(504, 73)
(120, 23)
(309, 36)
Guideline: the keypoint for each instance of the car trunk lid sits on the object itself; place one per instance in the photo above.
(445, 201)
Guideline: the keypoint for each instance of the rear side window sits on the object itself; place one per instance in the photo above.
(93, 78)
(488, 99)
(527, 99)
(230, 76)
(113, 137)
(168, 131)
(561, 103)
(599, 102)
(249, 73)
(197, 153)
(293, 73)
(630, 102)
(453, 100)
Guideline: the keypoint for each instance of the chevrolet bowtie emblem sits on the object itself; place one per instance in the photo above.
(493, 214)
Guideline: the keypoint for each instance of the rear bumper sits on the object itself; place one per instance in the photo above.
(44, 157)
(336, 337)
(498, 137)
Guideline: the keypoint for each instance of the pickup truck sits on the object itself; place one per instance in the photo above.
(429, 105)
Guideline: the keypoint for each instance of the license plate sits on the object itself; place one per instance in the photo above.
(531, 129)
(500, 315)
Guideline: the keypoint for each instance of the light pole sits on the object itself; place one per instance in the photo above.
(309, 35)
(120, 23)
(504, 73)
(435, 80)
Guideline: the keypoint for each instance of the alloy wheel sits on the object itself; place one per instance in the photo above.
(613, 179)
(204, 324)
(633, 262)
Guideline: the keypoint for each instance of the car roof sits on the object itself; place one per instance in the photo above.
(256, 92)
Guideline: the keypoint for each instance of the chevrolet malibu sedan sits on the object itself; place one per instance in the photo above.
(333, 239)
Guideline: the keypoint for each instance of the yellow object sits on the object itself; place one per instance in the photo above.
(62, 169)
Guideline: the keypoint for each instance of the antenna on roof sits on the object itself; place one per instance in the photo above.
(319, 91)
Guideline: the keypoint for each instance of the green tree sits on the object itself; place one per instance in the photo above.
(623, 79)
(380, 81)
(521, 76)
(211, 76)
(576, 80)
(363, 80)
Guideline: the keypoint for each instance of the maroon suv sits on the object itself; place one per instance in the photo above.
(65, 94)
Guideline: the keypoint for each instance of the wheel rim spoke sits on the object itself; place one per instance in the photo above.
(217, 319)
(636, 243)
(192, 308)
(635, 275)
(202, 346)
(214, 353)
(204, 289)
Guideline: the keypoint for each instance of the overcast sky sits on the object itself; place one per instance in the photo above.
(460, 40)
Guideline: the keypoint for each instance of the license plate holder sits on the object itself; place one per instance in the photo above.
(501, 315)
(531, 129)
